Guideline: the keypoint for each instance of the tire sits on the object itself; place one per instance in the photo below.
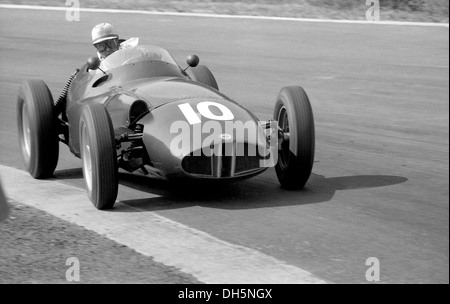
(203, 75)
(98, 155)
(37, 128)
(296, 155)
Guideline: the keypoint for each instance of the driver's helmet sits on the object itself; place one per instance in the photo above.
(102, 32)
(105, 39)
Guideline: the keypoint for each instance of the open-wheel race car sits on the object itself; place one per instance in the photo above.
(138, 110)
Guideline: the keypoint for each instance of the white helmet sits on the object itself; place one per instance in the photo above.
(102, 32)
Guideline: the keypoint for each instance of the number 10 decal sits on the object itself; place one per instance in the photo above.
(204, 109)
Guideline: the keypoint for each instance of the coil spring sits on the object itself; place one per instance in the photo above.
(60, 104)
(137, 144)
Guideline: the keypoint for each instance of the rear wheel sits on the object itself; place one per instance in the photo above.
(297, 137)
(38, 130)
(203, 75)
(98, 155)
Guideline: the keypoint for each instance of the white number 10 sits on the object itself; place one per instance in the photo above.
(204, 110)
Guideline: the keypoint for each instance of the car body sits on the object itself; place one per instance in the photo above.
(163, 86)
(140, 111)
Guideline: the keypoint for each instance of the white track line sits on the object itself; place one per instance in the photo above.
(118, 11)
(207, 258)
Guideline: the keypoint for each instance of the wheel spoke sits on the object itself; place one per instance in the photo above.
(26, 131)
(87, 159)
(283, 148)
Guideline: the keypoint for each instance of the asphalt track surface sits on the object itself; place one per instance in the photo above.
(380, 96)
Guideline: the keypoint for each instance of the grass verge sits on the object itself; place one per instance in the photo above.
(390, 10)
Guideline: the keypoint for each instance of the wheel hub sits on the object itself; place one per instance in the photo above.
(283, 137)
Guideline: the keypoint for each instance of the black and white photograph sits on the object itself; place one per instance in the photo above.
(224, 148)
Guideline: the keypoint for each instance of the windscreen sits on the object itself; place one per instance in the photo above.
(135, 54)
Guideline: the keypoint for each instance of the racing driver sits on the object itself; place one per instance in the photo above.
(105, 39)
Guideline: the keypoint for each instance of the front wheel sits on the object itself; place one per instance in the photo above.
(37, 128)
(98, 155)
(296, 137)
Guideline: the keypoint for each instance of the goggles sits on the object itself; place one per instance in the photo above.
(111, 43)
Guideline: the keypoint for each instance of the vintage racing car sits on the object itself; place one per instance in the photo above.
(138, 110)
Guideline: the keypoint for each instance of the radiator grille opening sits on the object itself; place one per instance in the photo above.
(229, 159)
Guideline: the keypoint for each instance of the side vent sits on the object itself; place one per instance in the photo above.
(138, 109)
